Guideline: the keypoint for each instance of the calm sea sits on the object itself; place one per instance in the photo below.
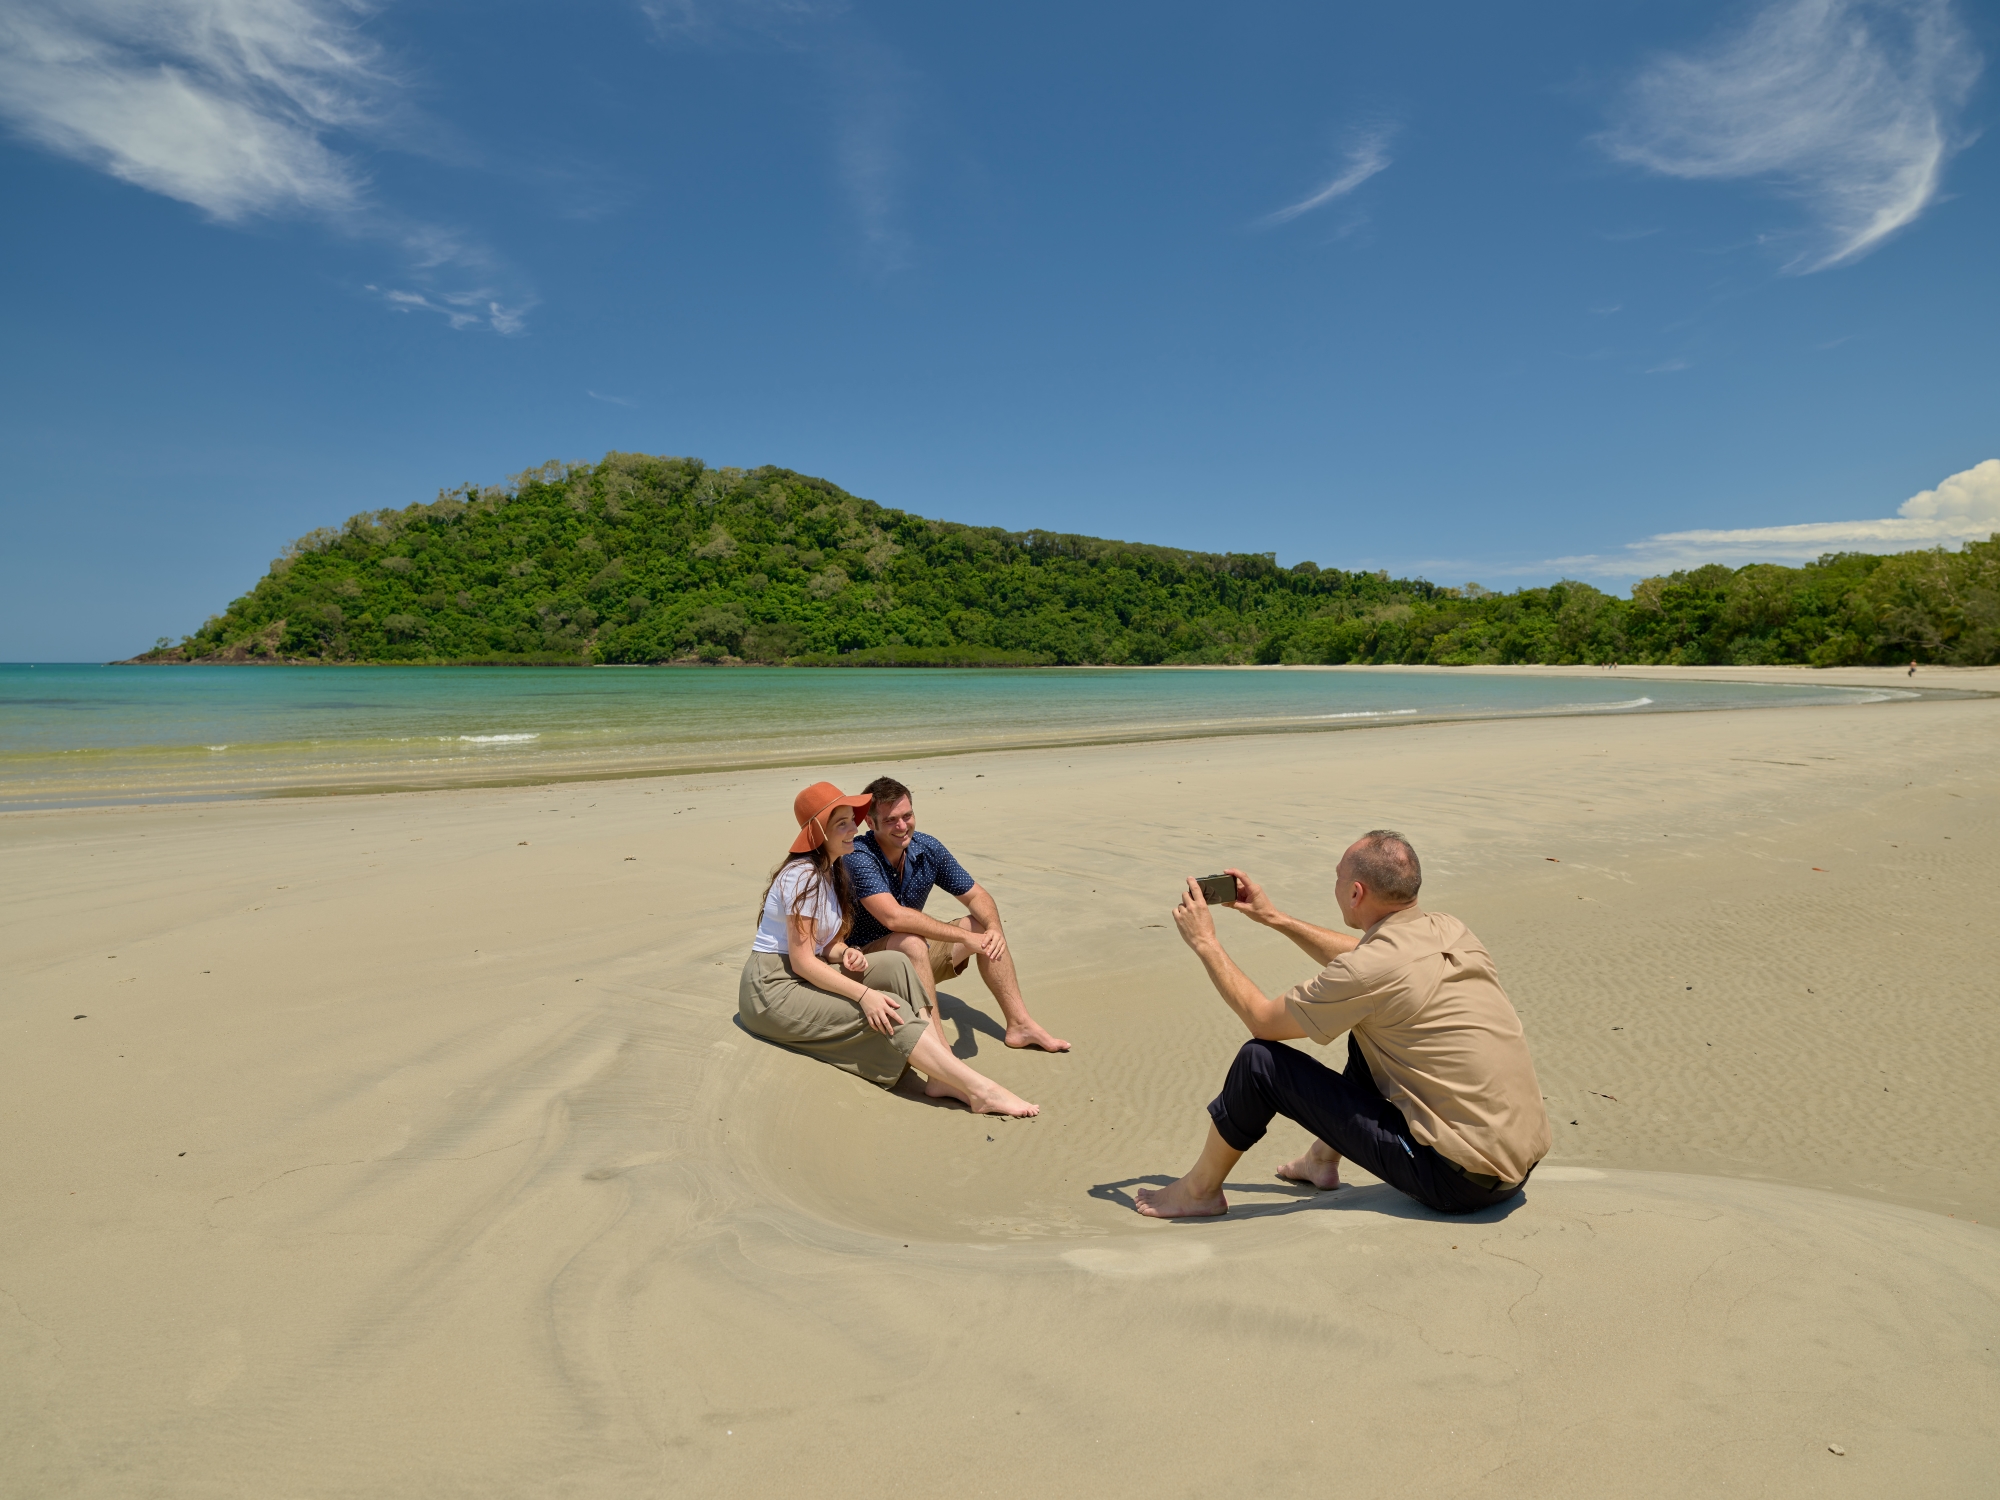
(74, 735)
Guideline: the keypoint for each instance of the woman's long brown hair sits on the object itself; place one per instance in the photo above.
(825, 868)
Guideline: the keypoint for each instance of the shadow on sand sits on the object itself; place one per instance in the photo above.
(969, 1024)
(1373, 1197)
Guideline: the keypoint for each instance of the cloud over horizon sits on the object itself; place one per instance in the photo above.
(1964, 507)
(1847, 106)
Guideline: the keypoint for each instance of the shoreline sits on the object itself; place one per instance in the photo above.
(1974, 684)
(1730, 672)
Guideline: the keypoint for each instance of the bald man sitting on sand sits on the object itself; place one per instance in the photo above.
(1439, 1097)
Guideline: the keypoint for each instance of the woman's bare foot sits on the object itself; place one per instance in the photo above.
(1033, 1034)
(1320, 1167)
(991, 1100)
(1179, 1201)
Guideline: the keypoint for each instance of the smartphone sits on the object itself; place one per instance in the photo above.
(1218, 890)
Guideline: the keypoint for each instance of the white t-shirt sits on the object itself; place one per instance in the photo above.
(823, 908)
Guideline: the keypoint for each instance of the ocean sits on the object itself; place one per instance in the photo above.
(82, 735)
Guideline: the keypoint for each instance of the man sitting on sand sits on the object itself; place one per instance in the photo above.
(1439, 1097)
(893, 868)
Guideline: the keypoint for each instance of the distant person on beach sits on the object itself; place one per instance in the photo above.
(805, 987)
(1439, 1097)
(1913, 666)
(894, 868)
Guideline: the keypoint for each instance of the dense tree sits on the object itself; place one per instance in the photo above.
(643, 559)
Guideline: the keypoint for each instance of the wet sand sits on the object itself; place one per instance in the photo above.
(408, 1145)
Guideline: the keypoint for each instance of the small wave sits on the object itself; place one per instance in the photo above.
(218, 748)
(1601, 708)
(496, 739)
(1369, 713)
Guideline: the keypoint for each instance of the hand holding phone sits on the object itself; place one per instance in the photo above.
(1218, 890)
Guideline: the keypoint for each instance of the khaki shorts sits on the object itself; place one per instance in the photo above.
(943, 967)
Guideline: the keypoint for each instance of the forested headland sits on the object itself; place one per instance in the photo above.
(643, 559)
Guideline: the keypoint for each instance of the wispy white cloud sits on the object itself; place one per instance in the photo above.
(458, 279)
(872, 112)
(870, 89)
(613, 400)
(219, 103)
(1848, 106)
(237, 107)
(473, 309)
(712, 21)
(1367, 156)
(1965, 507)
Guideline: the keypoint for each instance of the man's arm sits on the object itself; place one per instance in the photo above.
(1265, 1018)
(985, 912)
(897, 917)
(1323, 944)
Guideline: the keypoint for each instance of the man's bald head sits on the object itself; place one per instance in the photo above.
(1383, 860)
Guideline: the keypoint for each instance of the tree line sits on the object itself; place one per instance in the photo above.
(647, 559)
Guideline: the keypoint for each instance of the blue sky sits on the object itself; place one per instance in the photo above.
(1467, 291)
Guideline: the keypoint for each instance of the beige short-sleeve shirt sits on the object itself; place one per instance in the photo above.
(1441, 1037)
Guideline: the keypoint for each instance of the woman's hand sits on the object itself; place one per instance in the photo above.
(834, 971)
(882, 1012)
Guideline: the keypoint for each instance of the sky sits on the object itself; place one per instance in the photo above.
(1461, 291)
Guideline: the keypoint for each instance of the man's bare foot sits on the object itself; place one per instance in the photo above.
(991, 1100)
(1178, 1201)
(1318, 1167)
(1032, 1034)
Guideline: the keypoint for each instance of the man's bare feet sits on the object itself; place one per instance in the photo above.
(1033, 1034)
(991, 1100)
(1178, 1201)
(1320, 1167)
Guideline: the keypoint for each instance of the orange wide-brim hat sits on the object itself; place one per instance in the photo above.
(814, 806)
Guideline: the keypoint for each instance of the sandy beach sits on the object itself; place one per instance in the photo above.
(397, 1145)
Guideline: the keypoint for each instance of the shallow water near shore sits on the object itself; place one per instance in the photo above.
(76, 735)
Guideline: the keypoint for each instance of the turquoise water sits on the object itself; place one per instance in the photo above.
(74, 735)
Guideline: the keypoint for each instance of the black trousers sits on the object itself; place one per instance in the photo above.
(1348, 1112)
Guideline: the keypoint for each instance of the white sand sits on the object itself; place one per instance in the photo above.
(484, 1193)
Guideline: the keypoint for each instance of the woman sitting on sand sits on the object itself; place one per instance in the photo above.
(863, 1012)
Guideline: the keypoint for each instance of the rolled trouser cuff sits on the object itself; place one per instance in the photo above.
(1242, 1111)
(1238, 1138)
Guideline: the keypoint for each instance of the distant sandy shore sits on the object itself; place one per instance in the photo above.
(405, 1145)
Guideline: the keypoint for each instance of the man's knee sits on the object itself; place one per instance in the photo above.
(908, 944)
(1247, 1101)
(1258, 1058)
